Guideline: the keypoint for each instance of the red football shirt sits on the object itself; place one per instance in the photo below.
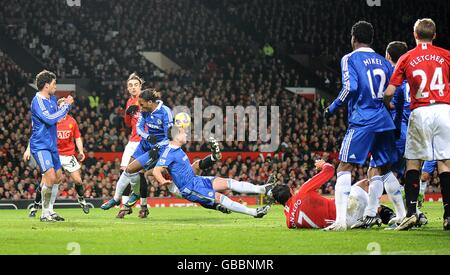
(307, 208)
(426, 68)
(67, 130)
(131, 121)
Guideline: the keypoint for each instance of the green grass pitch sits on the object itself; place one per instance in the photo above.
(196, 230)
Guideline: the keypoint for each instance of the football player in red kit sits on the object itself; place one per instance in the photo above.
(427, 70)
(308, 209)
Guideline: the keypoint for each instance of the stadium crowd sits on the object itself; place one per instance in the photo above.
(223, 65)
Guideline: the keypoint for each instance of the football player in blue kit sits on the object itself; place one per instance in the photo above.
(365, 76)
(202, 189)
(45, 114)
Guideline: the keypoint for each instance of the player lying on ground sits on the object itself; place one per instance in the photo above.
(200, 189)
(45, 113)
(67, 131)
(308, 209)
(154, 121)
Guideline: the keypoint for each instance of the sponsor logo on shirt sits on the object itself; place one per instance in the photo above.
(64, 134)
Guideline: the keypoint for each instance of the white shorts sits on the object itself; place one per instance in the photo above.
(128, 152)
(69, 163)
(357, 203)
(428, 135)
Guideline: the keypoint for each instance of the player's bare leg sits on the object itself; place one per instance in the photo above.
(444, 176)
(412, 184)
(342, 192)
(76, 179)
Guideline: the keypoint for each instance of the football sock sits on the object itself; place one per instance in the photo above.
(143, 189)
(206, 162)
(236, 207)
(375, 192)
(122, 183)
(126, 194)
(342, 192)
(393, 189)
(37, 200)
(46, 196)
(245, 187)
(412, 191)
(135, 181)
(445, 191)
(80, 190)
(55, 190)
(423, 187)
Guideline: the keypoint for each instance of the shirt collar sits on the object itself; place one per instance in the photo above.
(41, 96)
(173, 146)
(160, 103)
(364, 49)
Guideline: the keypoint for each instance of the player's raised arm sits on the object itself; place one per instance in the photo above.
(326, 173)
(43, 114)
(349, 85)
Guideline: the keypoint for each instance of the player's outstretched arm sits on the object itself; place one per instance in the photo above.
(326, 173)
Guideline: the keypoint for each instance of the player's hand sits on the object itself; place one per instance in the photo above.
(69, 100)
(166, 182)
(319, 164)
(27, 155)
(132, 109)
(326, 113)
(151, 139)
(81, 156)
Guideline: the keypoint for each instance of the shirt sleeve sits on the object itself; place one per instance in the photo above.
(318, 180)
(127, 118)
(349, 83)
(165, 159)
(167, 122)
(399, 72)
(140, 127)
(39, 109)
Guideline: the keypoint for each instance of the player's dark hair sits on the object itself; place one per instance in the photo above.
(281, 193)
(150, 95)
(135, 76)
(425, 29)
(396, 49)
(362, 31)
(44, 77)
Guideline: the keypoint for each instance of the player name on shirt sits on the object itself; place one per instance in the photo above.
(292, 214)
(371, 61)
(427, 57)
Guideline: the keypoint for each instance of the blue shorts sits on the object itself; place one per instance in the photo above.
(200, 191)
(359, 142)
(429, 166)
(47, 160)
(143, 157)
